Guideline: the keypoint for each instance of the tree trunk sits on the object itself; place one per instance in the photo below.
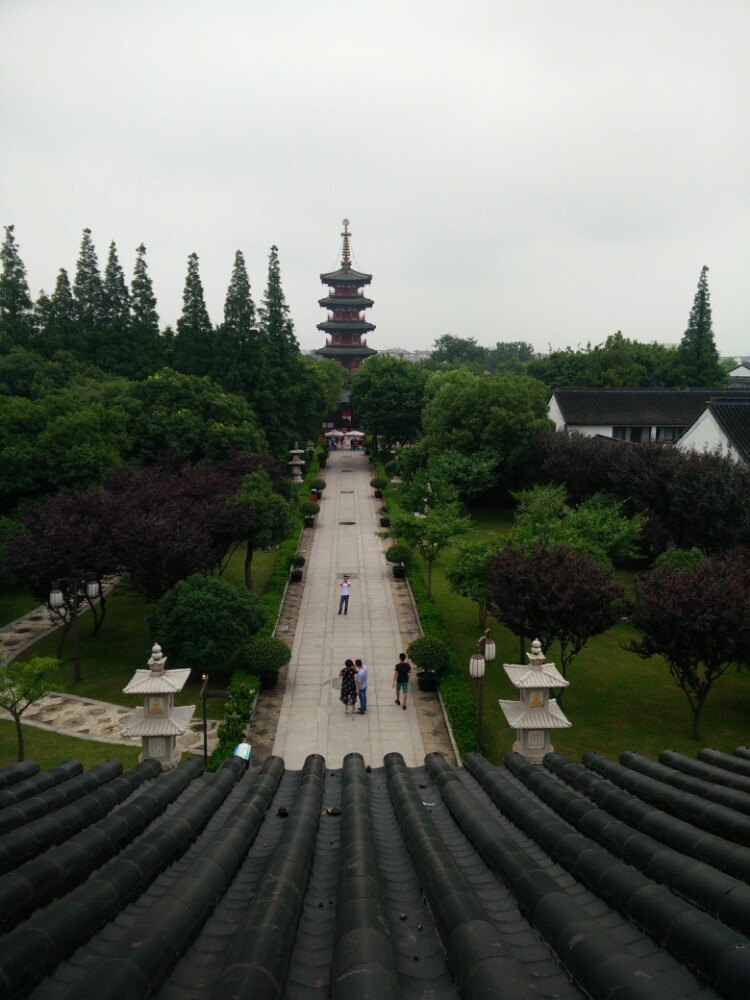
(429, 579)
(249, 567)
(19, 735)
(61, 644)
(697, 720)
(482, 615)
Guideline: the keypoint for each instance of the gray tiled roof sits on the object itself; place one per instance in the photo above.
(734, 420)
(617, 880)
(639, 407)
(344, 276)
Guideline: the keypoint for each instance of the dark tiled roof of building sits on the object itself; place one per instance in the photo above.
(638, 407)
(344, 351)
(734, 420)
(609, 880)
(344, 276)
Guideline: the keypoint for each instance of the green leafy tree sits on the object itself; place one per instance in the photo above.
(468, 575)
(57, 319)
(617, 362)
(430, 532)
(238, 336)
(679, 559)
(387, 396)
(194, 342)
(146, 345)
(272, 516)
(8, 528)
(174, 412)
(16, 314)
(21, 684)
(116, 346)
(510, 357)
(202, 620)
(453, 350)
(697, 357)
(89, 300)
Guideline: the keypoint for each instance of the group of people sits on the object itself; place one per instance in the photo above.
(354, 684)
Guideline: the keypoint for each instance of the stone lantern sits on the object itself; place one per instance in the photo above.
(158, 723)
(296, 463)
(536, 713)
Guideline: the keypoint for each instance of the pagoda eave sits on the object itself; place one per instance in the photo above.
(337, 351)
(345, 302)
(346, 326)
(346, 276)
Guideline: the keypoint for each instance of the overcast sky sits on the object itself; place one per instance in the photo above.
(548, 171)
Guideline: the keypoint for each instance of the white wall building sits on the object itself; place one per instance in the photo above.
(724, 425)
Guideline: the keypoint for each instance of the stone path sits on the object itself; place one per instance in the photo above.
(312, 718)
(88, 719)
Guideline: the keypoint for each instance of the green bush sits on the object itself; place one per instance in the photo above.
(379, 483)
(295, 561)
(679, 559)
(318, 484)
(309, 508)
(399, 554)
(238, 708)
(430, 653)
(266, 654)
(202, 620)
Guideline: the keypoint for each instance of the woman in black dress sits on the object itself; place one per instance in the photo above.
(348, 686)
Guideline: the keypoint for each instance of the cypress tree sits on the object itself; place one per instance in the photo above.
(697, 357)
(89, 296)
(16, 319)
(144, 330)
(238, 335)
(116, 351)
(194, 342)
(58, 318)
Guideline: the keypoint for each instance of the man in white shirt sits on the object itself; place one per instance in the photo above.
(361, 686)
(344, 599)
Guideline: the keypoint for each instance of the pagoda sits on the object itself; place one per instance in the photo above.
(346, 304)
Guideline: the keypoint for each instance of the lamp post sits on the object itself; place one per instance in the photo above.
(484, 654)
(75, 587)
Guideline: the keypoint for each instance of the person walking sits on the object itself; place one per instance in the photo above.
(361, 686)
(344, 599)
(401, 679)
(348, 694)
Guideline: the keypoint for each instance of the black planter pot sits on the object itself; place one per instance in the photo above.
(378, 494)
(385, 522)
(310, 521)
(426, 681)
(268, 679)
(295, 576)
(399, 572)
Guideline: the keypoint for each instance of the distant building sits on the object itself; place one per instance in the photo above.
(400, 352)
(634, 414)
(724, 424)
(346, 304)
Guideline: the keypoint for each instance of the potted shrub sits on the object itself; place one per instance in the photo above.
(264, 657)
(323, 460)
(296, 562)
(400, 556)
(310, 509)
(379, 484)
(432, 656)
(385, 521)
(318, 485)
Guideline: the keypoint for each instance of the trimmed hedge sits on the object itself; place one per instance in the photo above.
(455, 683)
(243, 688)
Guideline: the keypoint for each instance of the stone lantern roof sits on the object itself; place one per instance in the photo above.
(537, 674)
(157, 680)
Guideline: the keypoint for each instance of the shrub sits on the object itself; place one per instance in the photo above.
(679, 559)
(430, 653)
(266, 654)
(295, 561)
(318, 484)
(399, 554)
(202, 620)
(238, 708)
(309, 508)
(379, 483)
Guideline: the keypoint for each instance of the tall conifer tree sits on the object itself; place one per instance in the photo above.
(116, 352)
(58, 318)
(194, 342)
(16, 318)
(697, 357)
(238, 335)
(89, 295)
(145, 319)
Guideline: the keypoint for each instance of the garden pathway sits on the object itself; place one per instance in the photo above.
(312, 718)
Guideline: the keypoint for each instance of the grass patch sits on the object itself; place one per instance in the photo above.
(50, 749)
(14, 604)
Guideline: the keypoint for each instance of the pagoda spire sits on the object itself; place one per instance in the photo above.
(346, 255)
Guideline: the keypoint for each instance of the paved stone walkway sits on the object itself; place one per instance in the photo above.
(312, 718)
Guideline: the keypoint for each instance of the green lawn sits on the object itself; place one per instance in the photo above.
(50, 749)
(616, 701)
(14, 604)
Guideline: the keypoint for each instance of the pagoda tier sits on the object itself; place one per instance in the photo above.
(346, 303)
